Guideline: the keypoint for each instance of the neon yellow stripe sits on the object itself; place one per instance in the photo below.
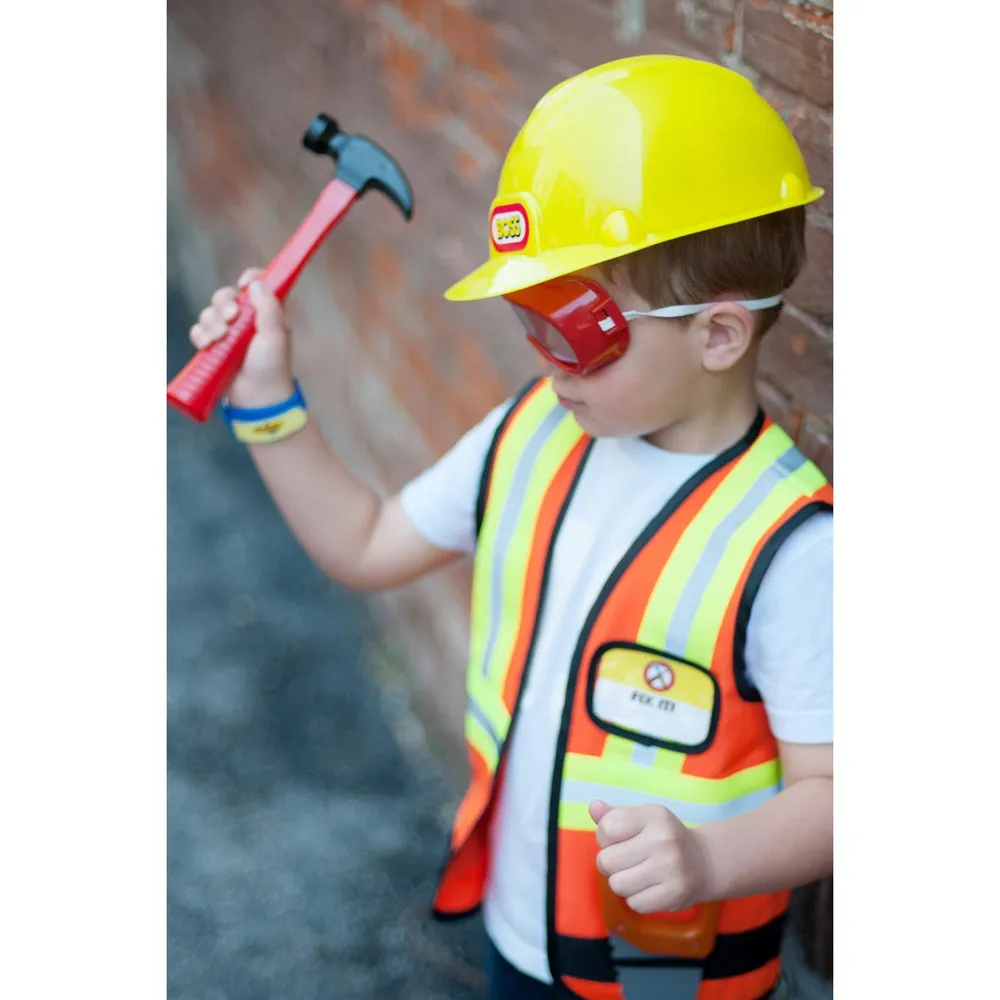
(488, 701)
(689, 813)
(618, 748)
(489, 697)
(675, 574)
(651, 780)
(667, 760)
(515, 437)
(481, 740)
(552, 455)
(707, 624)
(575, 816)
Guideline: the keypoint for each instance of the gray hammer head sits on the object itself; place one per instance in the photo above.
(360, 163)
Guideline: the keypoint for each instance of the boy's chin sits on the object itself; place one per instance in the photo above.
(593, 427)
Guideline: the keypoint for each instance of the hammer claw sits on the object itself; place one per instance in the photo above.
(361, 163)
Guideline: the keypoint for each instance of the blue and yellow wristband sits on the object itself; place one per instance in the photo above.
(267, 424)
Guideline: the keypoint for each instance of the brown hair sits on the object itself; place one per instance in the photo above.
(752, 259)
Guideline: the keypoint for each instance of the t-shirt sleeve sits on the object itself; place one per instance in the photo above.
(789, 650)
(441, 501)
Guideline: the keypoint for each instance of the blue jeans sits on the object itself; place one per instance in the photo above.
(505, 982)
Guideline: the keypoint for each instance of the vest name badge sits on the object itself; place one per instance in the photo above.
(653, 698)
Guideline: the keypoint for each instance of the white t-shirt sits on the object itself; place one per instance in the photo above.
(625, 482)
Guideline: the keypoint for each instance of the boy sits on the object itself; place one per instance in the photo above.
(649, 716)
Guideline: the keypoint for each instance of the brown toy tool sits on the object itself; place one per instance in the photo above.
(685, 934)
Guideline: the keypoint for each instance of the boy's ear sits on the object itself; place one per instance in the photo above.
(727, 335)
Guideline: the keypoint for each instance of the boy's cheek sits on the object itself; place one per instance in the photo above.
(630, 403)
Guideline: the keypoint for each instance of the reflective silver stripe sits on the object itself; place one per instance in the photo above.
(652, 982)
(679, 629)
(481, 717)
(687, 812)
(643, 756)
(512, 504)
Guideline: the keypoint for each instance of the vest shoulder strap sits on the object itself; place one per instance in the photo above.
(484, 478)
(816, 497)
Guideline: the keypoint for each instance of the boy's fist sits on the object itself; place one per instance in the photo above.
(651, 859)
(266, 374)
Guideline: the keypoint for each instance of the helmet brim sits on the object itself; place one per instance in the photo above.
(505, 273)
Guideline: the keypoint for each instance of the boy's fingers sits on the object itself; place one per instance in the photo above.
(633, 880)
(212, 322)
(619, 857)
(224, 297)
(619, 824)
(267, 306)
(249, 275)
(211, 326)
(200, 337)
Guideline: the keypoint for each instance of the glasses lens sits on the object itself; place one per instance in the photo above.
(547, 335)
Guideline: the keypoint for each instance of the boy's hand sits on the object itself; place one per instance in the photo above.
(653, 861)
(266, 375)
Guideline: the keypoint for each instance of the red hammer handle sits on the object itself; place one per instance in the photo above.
(200, 385)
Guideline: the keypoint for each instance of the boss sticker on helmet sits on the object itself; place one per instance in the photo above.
(509, 227)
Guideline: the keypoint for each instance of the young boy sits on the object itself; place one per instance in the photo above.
(650, 708)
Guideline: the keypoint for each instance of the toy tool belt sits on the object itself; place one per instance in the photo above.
(681, 940)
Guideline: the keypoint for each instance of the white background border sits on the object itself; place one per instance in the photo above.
(83, 648)
(83, 630)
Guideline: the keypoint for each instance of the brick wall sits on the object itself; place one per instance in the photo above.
(393, 372)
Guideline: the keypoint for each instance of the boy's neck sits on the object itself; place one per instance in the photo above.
(715, 427)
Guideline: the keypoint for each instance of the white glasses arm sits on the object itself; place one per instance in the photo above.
(676, 312)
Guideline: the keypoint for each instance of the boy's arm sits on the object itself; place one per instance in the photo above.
(355, 536)
(657, 863)
(350, 532)
(785, 843)
(788, 841)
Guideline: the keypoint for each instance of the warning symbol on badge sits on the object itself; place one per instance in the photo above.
(659, 676)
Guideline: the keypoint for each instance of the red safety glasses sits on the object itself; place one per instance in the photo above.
(577, 325)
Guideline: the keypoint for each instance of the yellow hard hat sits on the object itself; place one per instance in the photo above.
(628, 154)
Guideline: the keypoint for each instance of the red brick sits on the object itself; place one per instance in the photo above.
(813, 130)
(815, 441)
(470, 39)
(484, 108)
(813, 292)
(710, 24)
(816, 16)
(405, 69)
(794, 55)
(800, 363)
(476, 382)
(560, 37)
(779, 407)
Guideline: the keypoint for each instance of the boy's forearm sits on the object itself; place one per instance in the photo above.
(330, 511)
(785, 843)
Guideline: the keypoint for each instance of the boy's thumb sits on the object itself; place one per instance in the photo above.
(598, 810)
(263, 300)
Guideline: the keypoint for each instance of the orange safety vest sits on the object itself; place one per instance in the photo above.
(668, 629)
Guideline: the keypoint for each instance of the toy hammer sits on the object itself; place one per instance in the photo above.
(360, 165)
